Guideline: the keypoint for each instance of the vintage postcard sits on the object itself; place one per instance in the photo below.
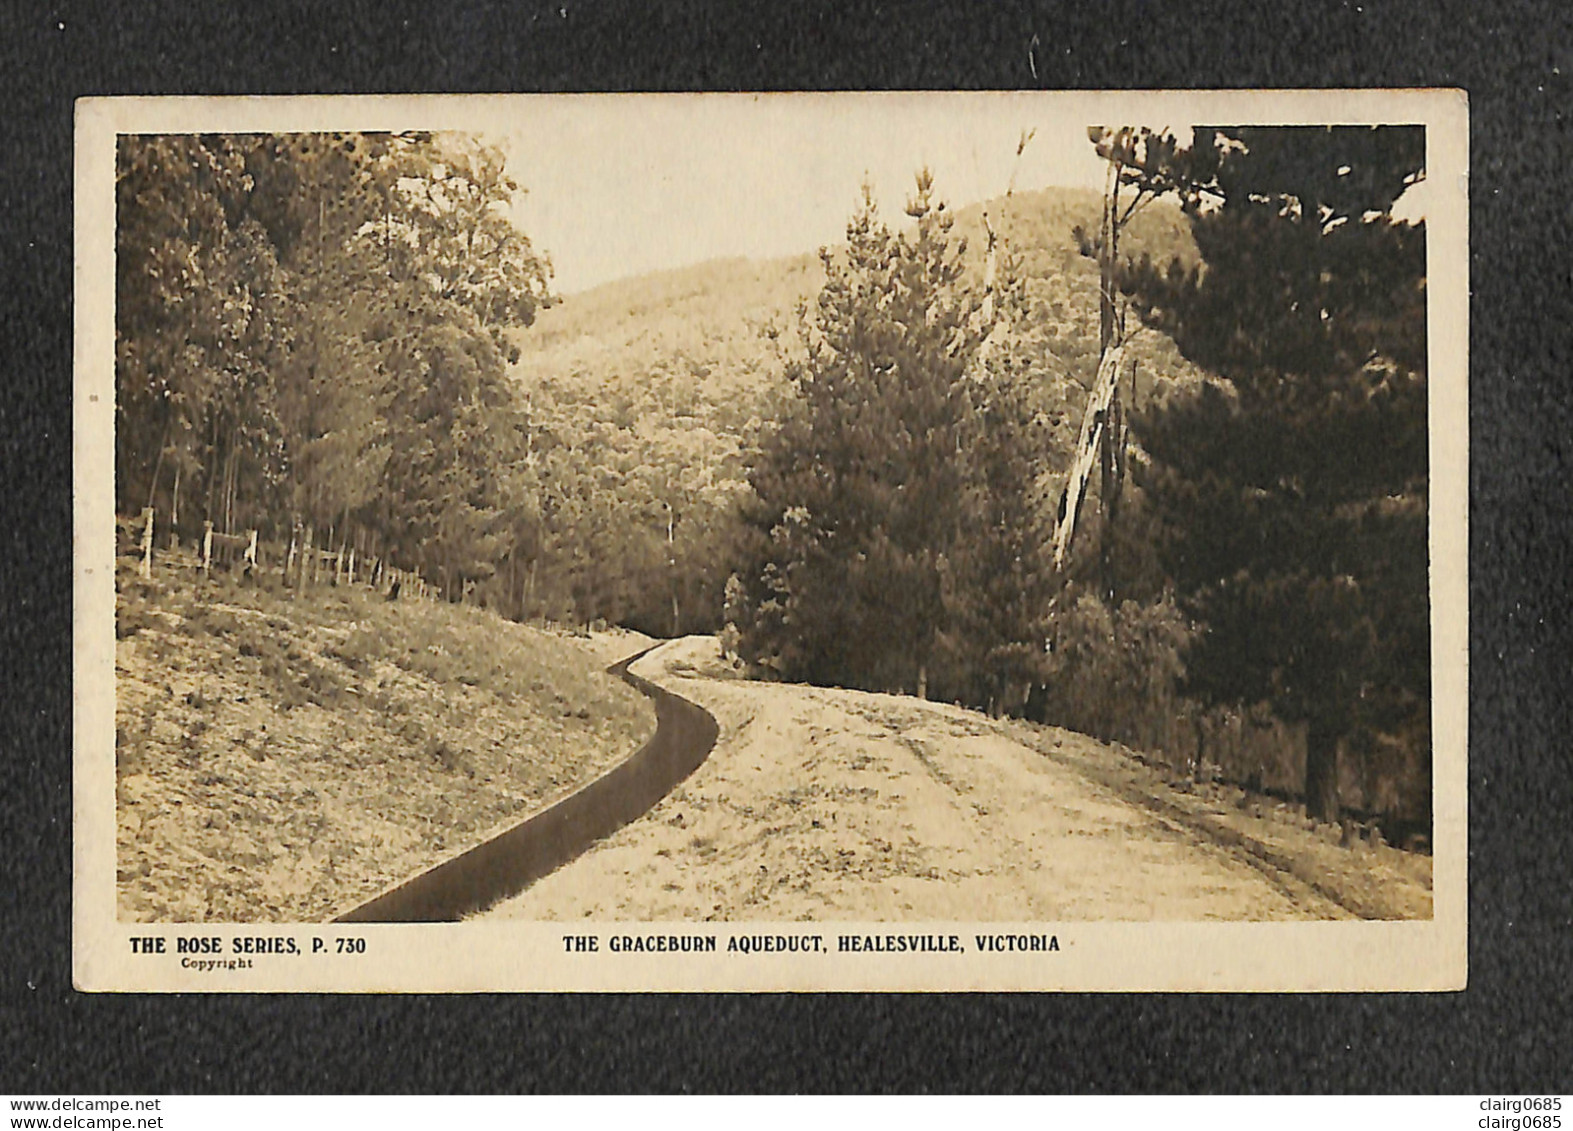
(921, 542)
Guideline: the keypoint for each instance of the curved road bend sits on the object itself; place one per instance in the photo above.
(505, 865)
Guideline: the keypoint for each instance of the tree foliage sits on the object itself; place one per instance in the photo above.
(1293, 493)
(313, 328)
(893, 513)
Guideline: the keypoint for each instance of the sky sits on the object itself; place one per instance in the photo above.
(619, 186)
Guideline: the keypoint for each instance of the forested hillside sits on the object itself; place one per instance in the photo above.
(650, 398)
(718, 325)
(341, 340)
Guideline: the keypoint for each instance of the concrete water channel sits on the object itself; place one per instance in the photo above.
(506, 864)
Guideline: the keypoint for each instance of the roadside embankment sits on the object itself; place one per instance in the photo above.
(284, 757)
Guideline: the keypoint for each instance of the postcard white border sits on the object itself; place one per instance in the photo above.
(484, 956)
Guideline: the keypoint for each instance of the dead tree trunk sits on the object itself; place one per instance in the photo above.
(1089, 447)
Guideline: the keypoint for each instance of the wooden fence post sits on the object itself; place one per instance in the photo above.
(147, 542)
(289, 559)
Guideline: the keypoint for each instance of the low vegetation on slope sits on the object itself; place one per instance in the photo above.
(282, 757)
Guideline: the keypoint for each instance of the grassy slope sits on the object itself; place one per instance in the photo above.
(281, 758)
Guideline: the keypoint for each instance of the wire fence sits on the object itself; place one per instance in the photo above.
(304, 563)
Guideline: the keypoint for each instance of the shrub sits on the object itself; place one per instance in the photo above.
(1112, 673)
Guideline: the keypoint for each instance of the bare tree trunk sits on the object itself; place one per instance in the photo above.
(514, 611)
(1110, 490)
(231, 479)
(1113, 433)
(158, 464)
(212, 470)
(1093, 426)
(1110, 233)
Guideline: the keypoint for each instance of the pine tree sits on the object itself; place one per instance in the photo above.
(859, 491)
(1294, 494)
(998, 580)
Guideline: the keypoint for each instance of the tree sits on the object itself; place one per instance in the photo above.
(1141, 166)
(197, 306)
(318, 326)
(860, 491)
(998, 581)
(1293, 492)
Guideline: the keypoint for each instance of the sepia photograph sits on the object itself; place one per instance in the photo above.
(924, 541)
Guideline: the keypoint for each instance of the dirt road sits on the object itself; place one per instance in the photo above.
(832, 804)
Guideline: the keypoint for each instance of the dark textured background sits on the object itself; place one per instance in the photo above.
(1509, 1032)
